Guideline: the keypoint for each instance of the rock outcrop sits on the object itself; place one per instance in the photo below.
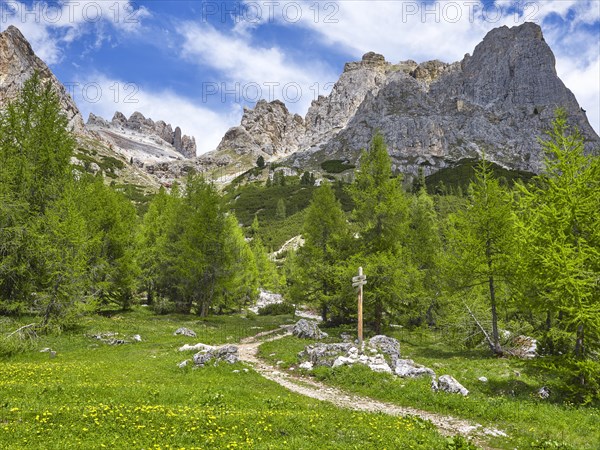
(268, 128)
(433, 114)
(18, 63)
(449, 384)
(184, 332)
(143, 139)
(380, 354)
(497, 101)
(227, 353)
(307, 329)
(327, 116)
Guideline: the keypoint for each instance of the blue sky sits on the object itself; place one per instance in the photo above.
(196, 64)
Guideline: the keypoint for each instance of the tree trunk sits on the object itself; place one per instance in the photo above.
(430, 316)
(495, 335)
(150, 296)
(324, 312)
(204, 309)
(580, 342)
(378, 317)
(497, 349)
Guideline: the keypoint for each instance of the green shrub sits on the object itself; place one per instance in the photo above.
(11, 345)
(163, 306)
(459, 443)
(336, 166)
(276, 309)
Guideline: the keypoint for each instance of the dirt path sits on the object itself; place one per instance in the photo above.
(448, 426)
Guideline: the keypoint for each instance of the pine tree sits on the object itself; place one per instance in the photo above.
(280, 214)
(319, 261)
(267, 271)
(381, 216)
(151, 243)
(62, 243)
(200, 249)
(481, 247)
(240, 283)
(35, 146)
(381, 209)
(425, 245)
(111, 221)
(560, 236)
(35, 152)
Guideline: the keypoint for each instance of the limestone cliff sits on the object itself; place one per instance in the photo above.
(143, 139)
(18, 63)
(497, 101)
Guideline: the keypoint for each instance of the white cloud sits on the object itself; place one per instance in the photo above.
(446, 30)
(50, 26)
(251, 71)
(98, 94)
(584, 82)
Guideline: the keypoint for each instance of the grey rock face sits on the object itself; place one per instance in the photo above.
(543, 392)
(97, 121)
(386, 345)
(376, 363)
(185, 332)
(188, 146)
(324, 354)
(227, 353)
(497, 101)
(407, 368)
(268, 128)
(18, 63)
(433, 114)
(119, 119)
(183, 363)
(164, 131)
(143, 139)
(327, 116)
(177, 139)
(307, 329)
(446, 383)
(196, 347)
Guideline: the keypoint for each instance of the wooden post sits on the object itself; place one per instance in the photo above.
(359, 281)
(360, 309)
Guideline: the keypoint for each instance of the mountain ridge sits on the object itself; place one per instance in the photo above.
(432, 114)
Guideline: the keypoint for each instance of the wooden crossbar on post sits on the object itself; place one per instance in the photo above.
(359, 281)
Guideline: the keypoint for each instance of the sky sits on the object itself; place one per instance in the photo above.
(197, 64)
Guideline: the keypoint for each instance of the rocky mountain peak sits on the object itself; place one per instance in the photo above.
(430, 71)
(137, 126)
(515, 67)
(369, 60)
(267, 128)
(497, 101)
(18, 62)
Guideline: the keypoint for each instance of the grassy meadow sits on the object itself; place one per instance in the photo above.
(93, 395)
(508, 401)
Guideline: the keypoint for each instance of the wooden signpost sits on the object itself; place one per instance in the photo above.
(359, 281)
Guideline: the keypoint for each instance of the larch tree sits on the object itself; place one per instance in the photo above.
(381, 216)
(560, 236)
(481, 248)
(317, 266)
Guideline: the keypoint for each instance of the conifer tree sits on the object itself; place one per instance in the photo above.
(481, 247)
(381, 216)
(425, 246)
(35, 152)
(560, 237)
(319, 261)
